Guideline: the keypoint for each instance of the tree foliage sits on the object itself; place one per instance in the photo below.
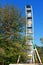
(40, 51)
(41, 39)
(12, 42)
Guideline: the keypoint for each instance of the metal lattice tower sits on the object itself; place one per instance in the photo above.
(29, 32)
(32, 53)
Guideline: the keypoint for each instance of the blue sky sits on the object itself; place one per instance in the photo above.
(37, 6)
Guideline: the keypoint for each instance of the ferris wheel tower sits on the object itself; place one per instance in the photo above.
(32, 53)
(29, 32)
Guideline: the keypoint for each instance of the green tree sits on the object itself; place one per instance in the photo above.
(12, 42)
(41, 39)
